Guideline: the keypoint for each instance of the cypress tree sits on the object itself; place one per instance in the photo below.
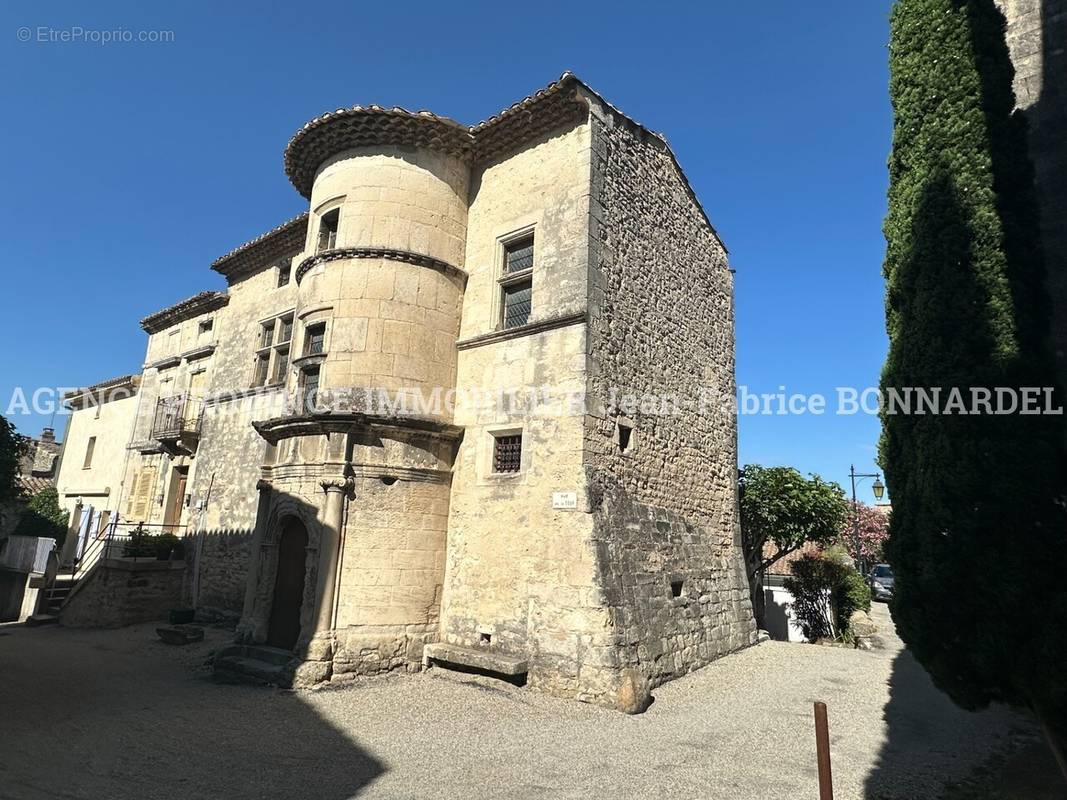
(978, 526)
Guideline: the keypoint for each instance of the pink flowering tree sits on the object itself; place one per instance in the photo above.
(873, 524)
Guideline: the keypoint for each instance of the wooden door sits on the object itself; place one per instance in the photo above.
(284, 629)
(176, 501)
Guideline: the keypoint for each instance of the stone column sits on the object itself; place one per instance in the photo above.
(329, 550)
(255, 556)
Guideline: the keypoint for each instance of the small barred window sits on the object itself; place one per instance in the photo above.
(507, 453)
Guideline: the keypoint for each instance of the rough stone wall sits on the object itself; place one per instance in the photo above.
(661, 325)
(222, 557)
(231, 453)
(118, 593)
(1037, 41)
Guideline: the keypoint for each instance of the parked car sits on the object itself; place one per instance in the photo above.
(880, 579)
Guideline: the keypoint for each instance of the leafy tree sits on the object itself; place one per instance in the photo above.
(873, 529)
(782, 507)
(43, 517)
(12, 449)
(978, 500)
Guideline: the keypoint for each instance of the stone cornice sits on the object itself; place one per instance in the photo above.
(165, 363)
(187, 309)
(286, 239)
(279, 428)
(331, 133)
(385, 253)
(199, 352)
(540, 326)
(111, 389)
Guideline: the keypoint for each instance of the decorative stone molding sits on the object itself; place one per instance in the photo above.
(310, 358)
(386, 253)
(274, 430)
(522, 330)
(343, 485)
(165, 363)
(199, 352)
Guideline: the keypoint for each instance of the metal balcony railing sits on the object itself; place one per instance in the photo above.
(177, 417)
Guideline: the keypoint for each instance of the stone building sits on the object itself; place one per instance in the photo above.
(1036, 35)
(36, 472)
(90, 476)
(416, 428)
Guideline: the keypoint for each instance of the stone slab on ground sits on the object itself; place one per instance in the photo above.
(473, 658)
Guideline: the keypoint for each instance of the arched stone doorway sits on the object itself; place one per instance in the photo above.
(284, 627)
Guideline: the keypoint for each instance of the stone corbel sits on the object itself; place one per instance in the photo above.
(343, 485)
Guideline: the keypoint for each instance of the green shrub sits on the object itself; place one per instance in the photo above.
(143, 544)
(832, 576)
(43, 517)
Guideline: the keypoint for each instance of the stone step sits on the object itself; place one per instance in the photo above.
(259, 652)
(41, 619)
(475, 658)
(255, 664)
(253, 671)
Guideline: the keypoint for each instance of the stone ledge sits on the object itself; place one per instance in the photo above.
(522, 330)
(476, 659)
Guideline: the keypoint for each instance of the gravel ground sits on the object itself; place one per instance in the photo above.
(114, 714)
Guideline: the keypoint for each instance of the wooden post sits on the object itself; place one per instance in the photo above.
(822, 749)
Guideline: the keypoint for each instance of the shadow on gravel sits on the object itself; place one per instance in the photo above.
(120, 722)
(990, 755)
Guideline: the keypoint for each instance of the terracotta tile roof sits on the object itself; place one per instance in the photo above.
(30, 485)
(345, 128)
(558, 103)
(187, 309)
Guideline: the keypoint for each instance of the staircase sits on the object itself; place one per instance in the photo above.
(58, 592)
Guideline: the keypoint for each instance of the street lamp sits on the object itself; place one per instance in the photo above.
(879, 489)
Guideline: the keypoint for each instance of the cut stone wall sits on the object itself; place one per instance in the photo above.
(666, 535)
(519, 574)
(118, 592)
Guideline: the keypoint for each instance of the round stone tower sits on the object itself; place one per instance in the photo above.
(362, 458)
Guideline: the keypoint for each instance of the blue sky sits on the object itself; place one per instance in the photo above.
(130, 167)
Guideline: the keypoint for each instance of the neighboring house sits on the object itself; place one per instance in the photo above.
(90, 477)
(24, 559)
(592, 545)
(37, 472)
